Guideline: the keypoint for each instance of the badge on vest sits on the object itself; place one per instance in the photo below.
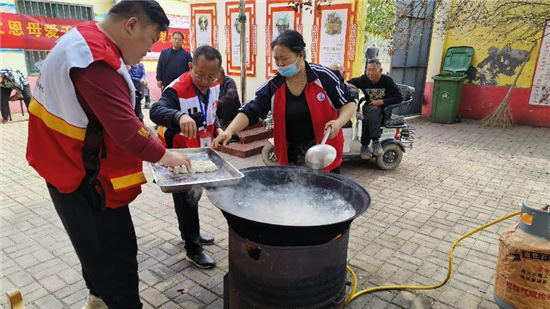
(205, 138)
(321, 96)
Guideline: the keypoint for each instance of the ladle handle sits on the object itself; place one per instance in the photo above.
(327, 133)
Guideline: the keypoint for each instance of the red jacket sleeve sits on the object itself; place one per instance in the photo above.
(106, 93)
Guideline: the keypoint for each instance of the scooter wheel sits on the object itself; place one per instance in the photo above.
(390, 158)
(268, 155)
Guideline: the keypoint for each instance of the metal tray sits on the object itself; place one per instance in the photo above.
(170, 182)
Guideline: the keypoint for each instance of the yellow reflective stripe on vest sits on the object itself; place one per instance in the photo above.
(128, 180)
(55, 123)
(160, 131)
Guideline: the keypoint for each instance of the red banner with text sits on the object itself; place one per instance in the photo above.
(32, 32)
(40, 33)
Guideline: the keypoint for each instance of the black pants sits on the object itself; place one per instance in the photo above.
(227, 112)
(187, 211)
(372, 122)
(5, 97)
(105, 243)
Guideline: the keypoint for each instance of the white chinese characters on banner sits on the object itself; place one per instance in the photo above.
(203, 29)
(178, 21)
(236, 39)
(332, 35)
(282, 21)
(540, 91)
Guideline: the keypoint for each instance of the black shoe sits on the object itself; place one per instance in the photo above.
(234, 138)
(377, 148)
(147, 105)
(202, 260)
(206, 239)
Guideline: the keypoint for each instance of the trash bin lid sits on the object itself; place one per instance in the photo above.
(458, 59)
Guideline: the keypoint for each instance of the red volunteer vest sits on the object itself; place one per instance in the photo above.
(189, 104)
(321, 113)
(57, 122)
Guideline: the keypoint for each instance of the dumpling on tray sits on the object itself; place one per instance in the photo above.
(198, 166)
(211, 167)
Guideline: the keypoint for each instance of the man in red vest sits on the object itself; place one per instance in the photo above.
(187, 116)
(88, 144)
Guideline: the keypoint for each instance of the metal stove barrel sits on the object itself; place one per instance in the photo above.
(274, 277)
(275, 266)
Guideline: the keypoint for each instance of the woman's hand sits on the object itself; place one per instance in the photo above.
(335, 127)
(224, 137)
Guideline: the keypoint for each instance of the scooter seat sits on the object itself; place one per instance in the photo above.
(395, 121)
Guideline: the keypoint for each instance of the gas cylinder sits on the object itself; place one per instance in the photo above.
(522, 278)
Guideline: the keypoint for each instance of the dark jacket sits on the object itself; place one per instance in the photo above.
(228, 93)
(324, 94)
(167, 111)
(385, 89)
(182, 62)
(338, 93)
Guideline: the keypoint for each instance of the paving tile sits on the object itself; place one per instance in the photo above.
(456, 178)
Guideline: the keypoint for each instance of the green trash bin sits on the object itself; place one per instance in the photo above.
(448, 85)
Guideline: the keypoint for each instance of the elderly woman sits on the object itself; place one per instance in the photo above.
(304, 99)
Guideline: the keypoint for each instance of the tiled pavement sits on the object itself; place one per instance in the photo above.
(456, 178)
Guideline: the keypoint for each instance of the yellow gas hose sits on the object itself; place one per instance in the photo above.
(354, 295)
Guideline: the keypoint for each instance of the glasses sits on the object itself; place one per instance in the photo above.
(205, 78)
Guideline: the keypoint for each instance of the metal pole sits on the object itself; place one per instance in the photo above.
(243, 49)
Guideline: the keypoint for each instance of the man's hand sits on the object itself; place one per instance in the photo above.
(172, 159)
(188, 126)
(224, 137)
(334, 128)
(143, 81)
(159, 84)
(351, 86)
(377, 103)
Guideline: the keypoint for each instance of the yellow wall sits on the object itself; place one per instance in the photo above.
(458, 38)
(170, 7)
(13, 59)
(175, 7)
(437, 46)
(358, 67)
(481, 39)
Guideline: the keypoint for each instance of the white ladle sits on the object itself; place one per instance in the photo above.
(321, 155)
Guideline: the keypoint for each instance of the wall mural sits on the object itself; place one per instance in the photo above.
(334, 35)
(280, 17)
(540, 91)
(204, 25)
(233, 42)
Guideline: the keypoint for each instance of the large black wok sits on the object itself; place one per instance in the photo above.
(283, 235)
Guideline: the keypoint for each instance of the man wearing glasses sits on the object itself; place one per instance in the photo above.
(186, 115)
